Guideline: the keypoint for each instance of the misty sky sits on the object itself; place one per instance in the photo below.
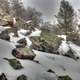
(49, 8)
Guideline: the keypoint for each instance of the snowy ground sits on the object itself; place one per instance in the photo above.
(61, 65)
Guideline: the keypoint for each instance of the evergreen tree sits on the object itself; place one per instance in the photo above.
(18, 9)
(34, 15)
(65, 16)
(4, 5)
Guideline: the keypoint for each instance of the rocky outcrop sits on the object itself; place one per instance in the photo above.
(14, 63)
(4, 36)
(22, 77)
(23, 53)
(22, 42)
(46, 43)
(3, 77)
(64, 77)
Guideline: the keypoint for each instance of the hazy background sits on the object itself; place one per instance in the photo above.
(49, 8)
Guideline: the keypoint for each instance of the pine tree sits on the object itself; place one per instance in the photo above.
(18, 9)
(65, 16)
(4, 5)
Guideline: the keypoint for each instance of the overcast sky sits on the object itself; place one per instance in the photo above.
(49, 8)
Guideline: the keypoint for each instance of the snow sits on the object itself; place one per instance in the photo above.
(62, 36)
(75, 49)
(31, 69)
(21, 34)
(37, 32)
(61, 65)
(23, 31)
(63, 48)
(6, 49)
(29, 43)
(3, 28)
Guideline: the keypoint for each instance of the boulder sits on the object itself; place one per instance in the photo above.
(22, 42)
(50, 70)
(23, 53)
(22, 77)
(14, 63)
(64, 77)
(3, 77)
(4, 36)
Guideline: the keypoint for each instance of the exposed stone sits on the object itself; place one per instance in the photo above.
(14, 63)
(22, 77)
(23, 53)
(51, 71)
(4, 36)
(3, 77)
(22, 42)
(64, 77)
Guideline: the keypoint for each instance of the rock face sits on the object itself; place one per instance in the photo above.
(4, 36)
(64, 78)
(22, 77)
(44, 46)
(71, 55)
(15, 64)
(22, 42)
(23, 53)
(3, 77)
(46, 43)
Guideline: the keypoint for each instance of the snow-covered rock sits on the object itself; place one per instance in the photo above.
(75, 49)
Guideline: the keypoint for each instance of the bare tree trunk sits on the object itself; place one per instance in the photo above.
(15, 28)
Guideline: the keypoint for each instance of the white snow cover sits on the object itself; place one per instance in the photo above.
(61, 65)
(29, 43)
(22, 33)
(37, 32)
(75, 49)
(6, 49)
(34, 71)
(63, 48)
(62, 36)
(3, 28)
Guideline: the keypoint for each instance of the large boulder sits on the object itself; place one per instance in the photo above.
(23, 53)
(47, 42)
(4, 36)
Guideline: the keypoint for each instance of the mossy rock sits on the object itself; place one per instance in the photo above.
(64, 77)
(14, 63)
(22, 77)
(47, 42)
